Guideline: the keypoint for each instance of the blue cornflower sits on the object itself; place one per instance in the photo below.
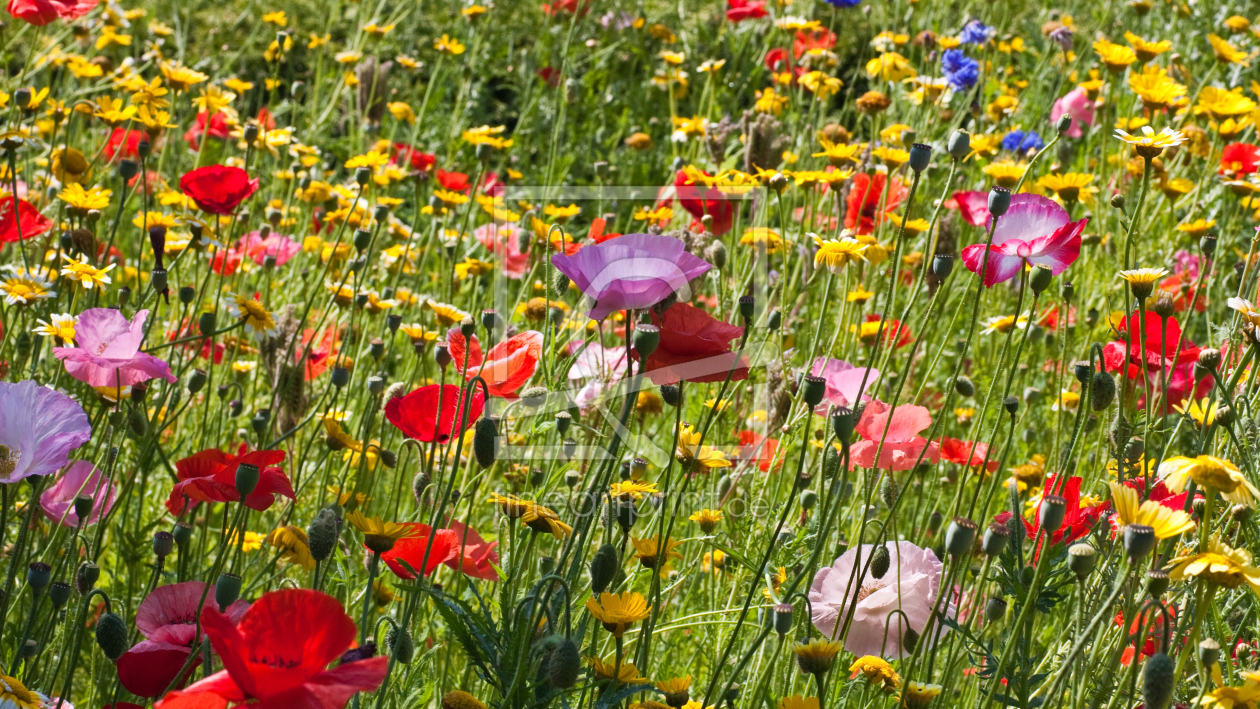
(1021, 141)
(961, 71)
(975, 32)
(844, 3)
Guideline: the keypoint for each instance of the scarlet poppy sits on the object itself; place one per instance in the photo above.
(694, 346)
(218, 189)
(453, 181)
(955, 450)
(408, 155)
(417, 415)
(474, 556)
(814, 39)
(757, 447)
(1153, 347)
(210, 476)
(865, 196)
(28, 222)
(1239, 159)
(413, 550)
(740, 10)
(42, 12)
(701, 200)
(506, 367)
(277, 656)
(776, 59)
(321, 353)
(1077, 520)
(215, 126)
(124, 143)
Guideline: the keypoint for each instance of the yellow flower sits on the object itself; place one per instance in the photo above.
(762, 238)
(796, 701)
(631, 489)
(448, 46)
(253, 540)
(1211, 472)
(86, 274)
(277, 18)
(379, 535)
(1142, 280)
(294, 545)
(1246, 696)
(213, 99)
(892, 157)
(1223, 103)
(417, 333)
(877, 671)
(1005, 173)
(181, 78)
(1067, 186)
(707, 519)
(111, 111)
(1203, 413)
(618, 611)
(1225, 52)
(1067, 401)
(446, 315)
(77, 198)
(919, 695)
(15, 694)
(1197, 228)
(378, 30)
(1146, 51)
(371, 159)
(317, 41)
(1156, 89)
(770, 102)
(1220, 564)
(109, 36)
(258, 319)
(25, 288)
(890, 67)
(649, 553)
(625, 673)
(544, 520)
(150, 94)
(859, 295)
(691, 451)
(1166, 522)
(1115, 57)
(660, 215)
(816, 656)
(822, 86)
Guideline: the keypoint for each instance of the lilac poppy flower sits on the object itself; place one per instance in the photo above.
(634, 271)
(109, 353)
(844, 382)
(599, 366)
(1035, 230)
(40, 427)
(81, 478)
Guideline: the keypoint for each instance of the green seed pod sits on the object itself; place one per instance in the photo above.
(1157, 681)
(1156, 583)
(400, 645)
(226, 590)
(1040, 280)
(1103, 391)
(960, 536)
(813, 389)
(964, 387)
(604, 566)
(995, 609)
(85, 578)
(485, 441)
(323, 533)
(888, 491)
(246, 478)
(111, 635)
(671, 394)
(419, 484)
(1081, 560)
(59, 594)
(139, 422)
(830, 463)
(880, 562)
(564, 665)
(560, 284)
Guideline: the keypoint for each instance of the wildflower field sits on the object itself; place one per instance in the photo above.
(702, 354)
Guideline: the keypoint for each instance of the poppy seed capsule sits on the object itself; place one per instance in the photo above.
(880, 561)
(747, 306)
(163, 544)
(128, 169)
(486, 441)
(782, 620)
(1052, 512)
(340, 377)
(182, 534)
(1103, 391)
(38, 575)
(999, 201)
(323, 533)
(564, 665)
(1207, 245)
(1157, 681)
(1041, 279)
(964, 387)
(995, 538)
(960, 536)
(646, 340)
(83, 507)
(59, 594)
(534, 397)
(604, 567)
(1081, 560)
(1156, 583)
(812, 390)
(1139, 540)
(226, 590)
(246, 478)
(959, 145)
(400, 645)
(920, 156)
(111, 635)
(842, 423)
(1209, 652)
(1011, 404)
(441, 355)
(942, 266)
(85, 577)
(995, 610)
(809, 499)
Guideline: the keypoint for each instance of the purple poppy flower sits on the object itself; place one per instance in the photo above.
(634, 271)
(40, 427)
(109, 353)
(844, 382)
(81, 478)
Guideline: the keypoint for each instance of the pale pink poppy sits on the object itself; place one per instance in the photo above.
(109, 353)
(911, 585)
(1035, 230)
(902, 446)
(1077, 105)
(504, 241)
(257, 248)
(80, 478)
(599, 366)
(844, 382)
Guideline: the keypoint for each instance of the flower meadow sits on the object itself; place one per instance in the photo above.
(765, 354)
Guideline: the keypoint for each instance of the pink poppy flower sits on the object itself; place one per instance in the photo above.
(972, 205)
(474, 556)
(844, 382)
(1077, 105)
(913, 589)
(504, 241)
(257, 248)
(506, 367)
(81, 478)
(42, 426)
(1035, 230)
(109, 351)
(599, 366)
(902, 446)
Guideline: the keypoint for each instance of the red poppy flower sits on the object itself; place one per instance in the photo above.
(1077, 521)
(416, 414)
(776, 59)
(895, 333)
(694, 346)
(28, 222)
(42, 12)
(550, 75)
(506, 367)
(1154, 624)
(740, 10)
(955, 450)
(453, 181)
(1239, 159)
(973, 205)
(865, 196)
(814, 39)
(1152, 349)
(702, 200)
(217, 128)
(474, 556)
(759, 448)
(218, 189)
(210, 476)
(278, 654)
(321, 354)
(412, 550)
(125, 143)
(408, 155)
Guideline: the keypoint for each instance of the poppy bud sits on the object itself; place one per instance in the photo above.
(1103, 392)
(38, 574)
(646, 339)
(747, 306)
(186, 294)
(323, 533)
(1041, 277)
(560, 284)
(1207, 245)
(812, 390)
(1210, 358)
(880, 561)
(778, 182)
(1164, 305)
(909, 639)
(226, 590)
(340, 377)
(1064, 123)
(959, 145)
(809, 498)
(775, 320)
(671, 394)
(1156, 583)
(564, 665)
(1052, 512)
(111, 635)
(934, 522)
(400, 645)
(604, 566)
(999, 201)
(920, 156)
(1157, 681)
(964, 386)
(995, 538)
(1139, 540)
(127, 169)
(83, 507)
(85, 577)
(960, 536)
(362, 175)
(830, 463)
(182, 534)
(942, 266)
(485, 441)
(1209, 652)
(259, 421)
(163, 544)
(59, 594)
(782, 620)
